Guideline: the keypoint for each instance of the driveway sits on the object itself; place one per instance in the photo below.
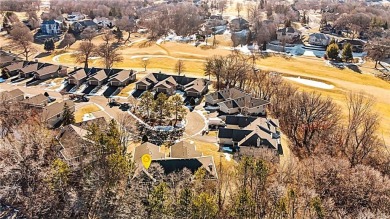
(195, 124)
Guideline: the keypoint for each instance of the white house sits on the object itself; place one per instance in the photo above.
(104, 22)
(319, 39)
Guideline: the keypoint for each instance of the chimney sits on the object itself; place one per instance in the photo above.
(211, 167)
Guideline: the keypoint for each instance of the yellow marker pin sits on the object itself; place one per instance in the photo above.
(146, 160)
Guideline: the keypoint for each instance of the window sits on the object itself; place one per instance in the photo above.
(58, 116)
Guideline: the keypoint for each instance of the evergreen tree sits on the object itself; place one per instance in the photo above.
(49, 45)
(68, 116)
(146, 103)
(287, 23)
(347, 52)
(332, 41)
(162, 107)
(118, 34)
(332, 51)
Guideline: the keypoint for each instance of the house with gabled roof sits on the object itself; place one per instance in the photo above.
(234, 101)
(319, 39)
(121, 77)
(78, 76)
(167, 86)
(183, 155)
(28, 70)
(12, 96)
(147, 148)
(6, 59)
(75, 145)
(51, 27)
(287, 34)
(250, 132)
(38, 101)
(184, 149)
(53, 114)
(12, 69)
(50, 71)
(99, 77)
(193, 87)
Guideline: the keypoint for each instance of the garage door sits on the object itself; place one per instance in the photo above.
(115, 83)
(141, 87)
(93, 82)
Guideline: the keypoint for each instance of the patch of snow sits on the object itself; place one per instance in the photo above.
(88, 116)
(228, 156)
(311, 83)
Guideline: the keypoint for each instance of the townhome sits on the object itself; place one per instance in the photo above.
(122, 78)
(38, 101)
(12, 96)
(50, 71)
(78, 76)
(53, 114)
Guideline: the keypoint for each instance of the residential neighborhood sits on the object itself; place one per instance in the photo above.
(194, 109)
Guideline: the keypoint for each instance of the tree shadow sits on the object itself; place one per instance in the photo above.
(146, 44)
(43, 54)
(354, 68)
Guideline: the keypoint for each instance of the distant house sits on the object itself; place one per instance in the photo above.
(38, 101)
(50, 71)
(357, 45)
(255, 132)
(233, 101)
(12, 69)
(287, 34)
(78, 76)
(319, 39)
(79, 26)
(51, 27)
(122, 77)
(75, 16)
(104, 22)
(238, 24)
(12, 96)
(193, 87)
(98, 78)
(53, 114)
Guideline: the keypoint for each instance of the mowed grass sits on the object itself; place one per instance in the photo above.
(90, 108)
(344, 81)
(210, 149)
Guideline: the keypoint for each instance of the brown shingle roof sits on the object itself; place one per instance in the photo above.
(38, 100)
(100, 75)
(79, 74)
(197, 85)
(47, 70)
(56, 108)
(147, 148)
(10, 95)
(168, 82)
(184, 149)
(29, 68)
(15, 66)
(122, 75)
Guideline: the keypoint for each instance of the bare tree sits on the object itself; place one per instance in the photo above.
(127, 130)
(238, 8)
(359, 139)
(68, 40)
(222, 5)
(85, 51)
(22, 39)
(180, 66)
(88, 34)
(110, 54)
(378, 48)
(127, 24)
(145, 62)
